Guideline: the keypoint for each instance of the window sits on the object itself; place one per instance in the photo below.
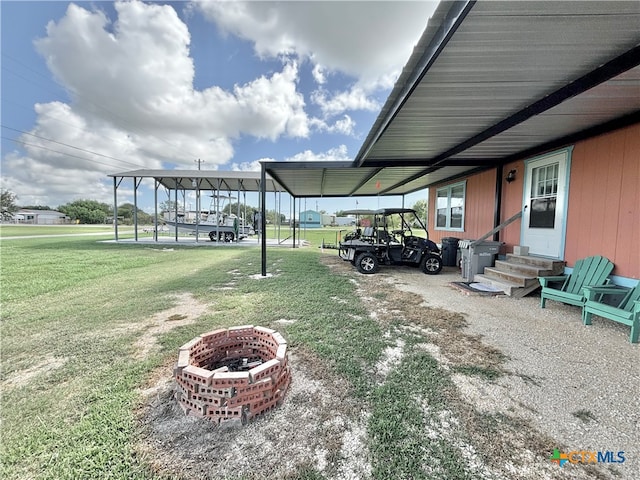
(450, 207)
(544, 191)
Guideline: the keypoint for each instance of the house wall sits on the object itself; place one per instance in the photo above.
(603, 213)
(479, 208)
(310, 219)
(604, 201)
(512, 204)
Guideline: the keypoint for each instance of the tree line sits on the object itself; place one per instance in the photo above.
(80, 211)
(94, 212)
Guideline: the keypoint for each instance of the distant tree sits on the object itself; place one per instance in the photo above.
(8, 202)
(275, 217)
(87, 211)
(421, 207)
(37, 207)
(168, 206)
(232, 208)
(340, 213)
(126, 212)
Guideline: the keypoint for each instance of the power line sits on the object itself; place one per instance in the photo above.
(63, 153)
(72, 146)
(115, 118)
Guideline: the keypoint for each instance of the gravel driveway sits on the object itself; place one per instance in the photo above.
(580, 385)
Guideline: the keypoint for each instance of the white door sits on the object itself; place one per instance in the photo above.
(545, 205)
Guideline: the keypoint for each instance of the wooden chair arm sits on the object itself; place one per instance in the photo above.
(591, 292)
(545, 281)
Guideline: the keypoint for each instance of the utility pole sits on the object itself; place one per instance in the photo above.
(198, 161)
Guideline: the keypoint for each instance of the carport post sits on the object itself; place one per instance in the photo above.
(155, 209)
(115, 206)
(263, 219)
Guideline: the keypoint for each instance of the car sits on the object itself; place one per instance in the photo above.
(396, 236)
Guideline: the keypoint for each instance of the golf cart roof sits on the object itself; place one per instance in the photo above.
(360, 211)
(391, 211)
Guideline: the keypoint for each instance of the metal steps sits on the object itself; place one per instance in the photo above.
(517, 276)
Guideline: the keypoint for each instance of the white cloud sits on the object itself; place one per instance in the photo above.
(318, 74)
(364, 39)
(337, 154)
(131, 84)
(134, 105)
(344, 126)
(354, 99)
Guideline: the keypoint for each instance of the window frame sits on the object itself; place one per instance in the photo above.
(449, 188)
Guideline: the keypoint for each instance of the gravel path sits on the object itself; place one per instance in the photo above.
(560, 367)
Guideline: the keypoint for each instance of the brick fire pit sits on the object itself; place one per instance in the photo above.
(234, 374)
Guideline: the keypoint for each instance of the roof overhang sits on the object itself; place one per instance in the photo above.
(488, 83)
(231, 181)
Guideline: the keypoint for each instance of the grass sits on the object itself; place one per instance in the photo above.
(14, 230)
(73, 308)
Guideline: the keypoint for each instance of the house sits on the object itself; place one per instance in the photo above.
(310, 219)
(511, 111)
(40, 217)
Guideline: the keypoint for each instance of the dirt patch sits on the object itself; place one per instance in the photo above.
(318, 427)
(186, 311)
(21, 378)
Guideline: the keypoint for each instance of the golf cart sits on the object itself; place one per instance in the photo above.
(396, 237)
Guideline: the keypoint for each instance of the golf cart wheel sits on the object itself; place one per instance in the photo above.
(367, 263)
(229, 237)
(431, 264)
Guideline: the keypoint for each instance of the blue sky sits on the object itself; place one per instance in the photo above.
(93, 88)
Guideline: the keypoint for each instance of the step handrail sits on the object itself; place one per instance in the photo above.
(509, 221)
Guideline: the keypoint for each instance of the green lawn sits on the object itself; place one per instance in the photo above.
(13, 230)
(73, 309)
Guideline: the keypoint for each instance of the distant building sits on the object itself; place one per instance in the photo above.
(345, 221)
(310, 219)
(40, 217)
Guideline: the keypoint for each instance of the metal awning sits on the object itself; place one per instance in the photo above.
(232, 181)
(488, 83)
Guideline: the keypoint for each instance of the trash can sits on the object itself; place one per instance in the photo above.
(476, 256)
(449, 251)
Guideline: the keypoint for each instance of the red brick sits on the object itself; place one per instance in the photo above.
(197, 375)
(279, 339)
(230, 379)
(190, 345)
(264, 370)
(214, 335)
(281, 353)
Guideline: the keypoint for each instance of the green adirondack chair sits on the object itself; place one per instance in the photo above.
(626, 312)
(590, 271)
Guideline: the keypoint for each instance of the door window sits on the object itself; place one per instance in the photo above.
(544, 193)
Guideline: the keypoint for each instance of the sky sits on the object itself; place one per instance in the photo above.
(90, 89)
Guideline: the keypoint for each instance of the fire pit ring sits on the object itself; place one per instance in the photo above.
(234, 374)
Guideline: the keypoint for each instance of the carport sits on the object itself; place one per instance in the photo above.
(181, 181)
(487, 83)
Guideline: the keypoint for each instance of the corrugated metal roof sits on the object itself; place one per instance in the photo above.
(503, 58)
(489, 82)
(232, 181)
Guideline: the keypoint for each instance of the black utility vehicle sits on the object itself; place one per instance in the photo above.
(390, 240)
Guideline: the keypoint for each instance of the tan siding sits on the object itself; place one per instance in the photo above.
(603, 206)
(479, 207)
(604, 203)
(511, 204)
